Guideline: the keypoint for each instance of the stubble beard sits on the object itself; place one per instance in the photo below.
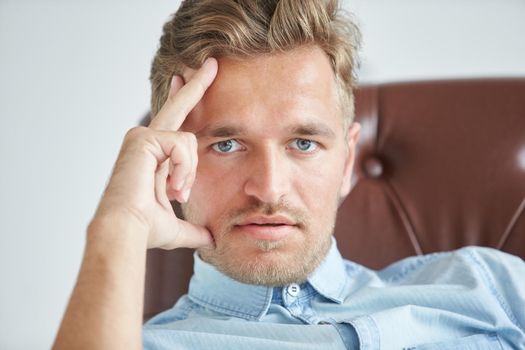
(275, 263)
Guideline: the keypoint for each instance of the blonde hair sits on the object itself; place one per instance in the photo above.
(245, 28)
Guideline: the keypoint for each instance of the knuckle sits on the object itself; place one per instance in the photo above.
(188, 137)
(140, 139)
(136, 132)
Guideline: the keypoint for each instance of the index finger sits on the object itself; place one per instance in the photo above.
(180, 102)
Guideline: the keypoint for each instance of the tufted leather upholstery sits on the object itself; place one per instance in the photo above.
(440, 165)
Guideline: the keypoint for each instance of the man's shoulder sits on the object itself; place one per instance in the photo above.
(483, 251)
(178, 312)
(473, 260)
(467, 254)
(487, 258)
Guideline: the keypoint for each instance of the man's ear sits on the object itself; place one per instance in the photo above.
(350, 143)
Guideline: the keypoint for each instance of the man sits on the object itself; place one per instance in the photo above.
(253, 134)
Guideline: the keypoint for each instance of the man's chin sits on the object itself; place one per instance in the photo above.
(235, 242)
(265, 262)
(266, 246)
(249, 250)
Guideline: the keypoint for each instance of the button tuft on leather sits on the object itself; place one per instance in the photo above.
(373, 167)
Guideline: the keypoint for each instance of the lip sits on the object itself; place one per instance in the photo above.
(270, 228)
(267, 220)
(267, 233)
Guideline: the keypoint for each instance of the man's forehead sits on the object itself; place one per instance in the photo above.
(303, 68)
(296, 82)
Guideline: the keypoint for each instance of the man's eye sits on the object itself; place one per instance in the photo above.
(227, 146)
(303, 145)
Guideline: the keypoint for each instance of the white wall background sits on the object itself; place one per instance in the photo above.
(73, 79)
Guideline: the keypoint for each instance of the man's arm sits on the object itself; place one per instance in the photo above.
(155, 165)
(105, 311)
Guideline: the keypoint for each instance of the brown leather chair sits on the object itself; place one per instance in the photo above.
(440, 165)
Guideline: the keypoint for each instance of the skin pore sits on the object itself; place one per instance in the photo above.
(271, 145)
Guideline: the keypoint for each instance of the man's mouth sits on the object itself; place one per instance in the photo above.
(268, 224)
(268, 220)
(267, 227)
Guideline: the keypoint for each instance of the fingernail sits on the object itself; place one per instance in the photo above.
(208, 61)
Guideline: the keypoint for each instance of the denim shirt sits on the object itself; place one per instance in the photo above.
(472, 298)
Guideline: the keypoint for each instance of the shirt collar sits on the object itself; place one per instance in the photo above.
(211, 288)
(330, 278)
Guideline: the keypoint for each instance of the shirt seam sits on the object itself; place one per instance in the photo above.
(417, 263)
(367, 332)
(176, 313)
(335, 293)
(226, 310)
(485, 274)
(347, 341)
(185, 310)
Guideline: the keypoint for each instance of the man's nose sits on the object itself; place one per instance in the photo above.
(268, 176)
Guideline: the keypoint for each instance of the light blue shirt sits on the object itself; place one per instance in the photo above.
(472, 298)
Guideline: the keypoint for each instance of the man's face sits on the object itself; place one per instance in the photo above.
(273, 164)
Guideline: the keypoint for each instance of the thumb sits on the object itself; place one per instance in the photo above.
(186, 235)
(194, 236)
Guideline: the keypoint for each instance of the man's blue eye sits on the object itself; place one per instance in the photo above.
(304, 145)
(227, 146)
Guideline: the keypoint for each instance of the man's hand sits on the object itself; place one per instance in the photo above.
(155, 165)
(158, 164)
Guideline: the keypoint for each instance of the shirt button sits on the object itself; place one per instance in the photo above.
(293, 290)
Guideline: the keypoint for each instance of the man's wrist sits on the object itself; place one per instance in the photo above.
(117, 223)
(108, 232)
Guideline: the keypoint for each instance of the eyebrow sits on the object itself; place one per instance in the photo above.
(303, 129)
(313, 129)
(221, 131)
